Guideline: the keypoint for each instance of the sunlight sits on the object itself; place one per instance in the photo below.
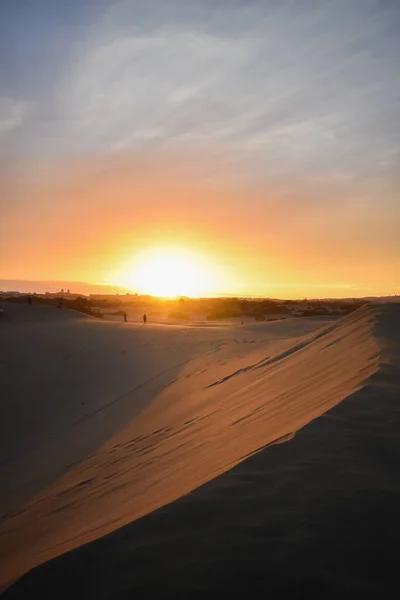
(168, 273)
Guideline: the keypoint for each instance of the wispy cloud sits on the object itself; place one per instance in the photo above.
(12, 113)
(270, 87)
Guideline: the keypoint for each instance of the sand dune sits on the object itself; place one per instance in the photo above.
(110, 422)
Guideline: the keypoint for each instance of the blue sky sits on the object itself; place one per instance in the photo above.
(300, 91)
(295, 86)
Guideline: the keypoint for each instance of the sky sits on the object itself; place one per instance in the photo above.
(260, 138)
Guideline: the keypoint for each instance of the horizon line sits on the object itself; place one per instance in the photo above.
(124, 291)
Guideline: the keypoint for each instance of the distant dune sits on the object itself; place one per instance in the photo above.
(103, 423)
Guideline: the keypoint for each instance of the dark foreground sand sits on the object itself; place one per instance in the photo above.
(315, 514)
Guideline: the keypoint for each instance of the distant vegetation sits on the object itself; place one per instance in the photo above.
(237, 308)
(213, 309)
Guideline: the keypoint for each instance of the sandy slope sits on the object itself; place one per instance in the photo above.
(70, 382)
(167, 410)
(314, 517)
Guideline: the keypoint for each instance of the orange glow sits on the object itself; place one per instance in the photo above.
(166, 272)
(171, 228)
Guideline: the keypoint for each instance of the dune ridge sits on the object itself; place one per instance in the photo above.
(195, 428)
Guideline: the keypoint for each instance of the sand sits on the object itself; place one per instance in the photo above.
(107, 422)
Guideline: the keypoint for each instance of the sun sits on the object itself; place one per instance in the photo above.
(168, 273)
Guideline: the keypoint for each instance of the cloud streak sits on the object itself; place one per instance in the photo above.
(272, 87)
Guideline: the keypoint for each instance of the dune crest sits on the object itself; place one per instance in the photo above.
(196, 427)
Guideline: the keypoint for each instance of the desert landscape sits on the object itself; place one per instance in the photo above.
(199, 299)
(167, 459)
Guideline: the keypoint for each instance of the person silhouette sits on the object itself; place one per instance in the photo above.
(125, 317)
(144, 319)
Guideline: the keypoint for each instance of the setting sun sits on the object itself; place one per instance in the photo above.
(166, 273)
